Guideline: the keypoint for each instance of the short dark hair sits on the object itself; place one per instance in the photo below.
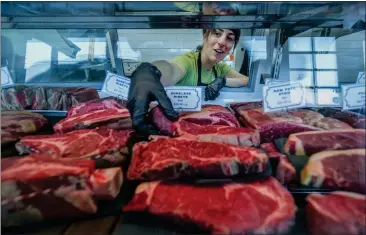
(235, 31)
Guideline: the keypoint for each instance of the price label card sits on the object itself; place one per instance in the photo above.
(116, 85)
(6, 79)
(361, 77)
(185, 98)
(353, 96)
(284, 96)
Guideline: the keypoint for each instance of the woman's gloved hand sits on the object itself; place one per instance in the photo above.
(146, 87)
(212, 91)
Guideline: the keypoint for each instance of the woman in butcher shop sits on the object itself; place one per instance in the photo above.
(204, 67)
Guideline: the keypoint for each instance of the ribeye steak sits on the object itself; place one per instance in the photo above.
(307, 143)
(271, 125)
(209, 115)
(336, 213)
(336, 169)
(259, 207)
(101, 142)
(174, 158)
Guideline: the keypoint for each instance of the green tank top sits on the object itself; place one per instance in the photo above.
(188, 62)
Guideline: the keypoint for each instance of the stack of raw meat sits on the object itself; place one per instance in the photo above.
(281, 124)
(211, 144)
(60, 170)
(36, 187)
(208, 145)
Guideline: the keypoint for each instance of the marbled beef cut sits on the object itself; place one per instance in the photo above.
(356, 120)
(16, 124)
(104, 112)
(94, 105)
(336, 169)
(209, 115)
(175, 158)
(221, 128)
(37, 188)
(275, 125)
(307, 143)
(107, 144)
(337, 213)
(259, 207)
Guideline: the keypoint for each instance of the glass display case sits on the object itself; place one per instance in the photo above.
(55, 56)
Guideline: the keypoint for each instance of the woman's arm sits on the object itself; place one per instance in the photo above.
(236, 79)
(171, 72)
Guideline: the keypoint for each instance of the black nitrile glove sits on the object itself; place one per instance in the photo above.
(212, 91)
(146, 87)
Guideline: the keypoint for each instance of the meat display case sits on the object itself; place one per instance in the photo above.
(64, 45)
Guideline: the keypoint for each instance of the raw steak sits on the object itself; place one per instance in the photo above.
(16, 124)
(187, 126)
(336, 169)
(37, 172)
(327, 123)
(353, 119)
(167, 158)
(337, 213)
(271, 125)
(104, 143)
(307, 143)
(93, 119)
(45, 98)
(35, 188)
(259, 207)
(210, 115)
(285, 171)
(15, 98)
(219, 134)
(94, 105)
(318, 120)
(64, 202)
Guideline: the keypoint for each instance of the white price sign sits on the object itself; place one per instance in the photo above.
(116, 85)
(6, 79)
(353, 96)
(281, 97)
(361, 77)
(185, 98)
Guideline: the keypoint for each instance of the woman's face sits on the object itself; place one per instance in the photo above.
(218, 44)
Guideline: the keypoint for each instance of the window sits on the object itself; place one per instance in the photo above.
(314, 61)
